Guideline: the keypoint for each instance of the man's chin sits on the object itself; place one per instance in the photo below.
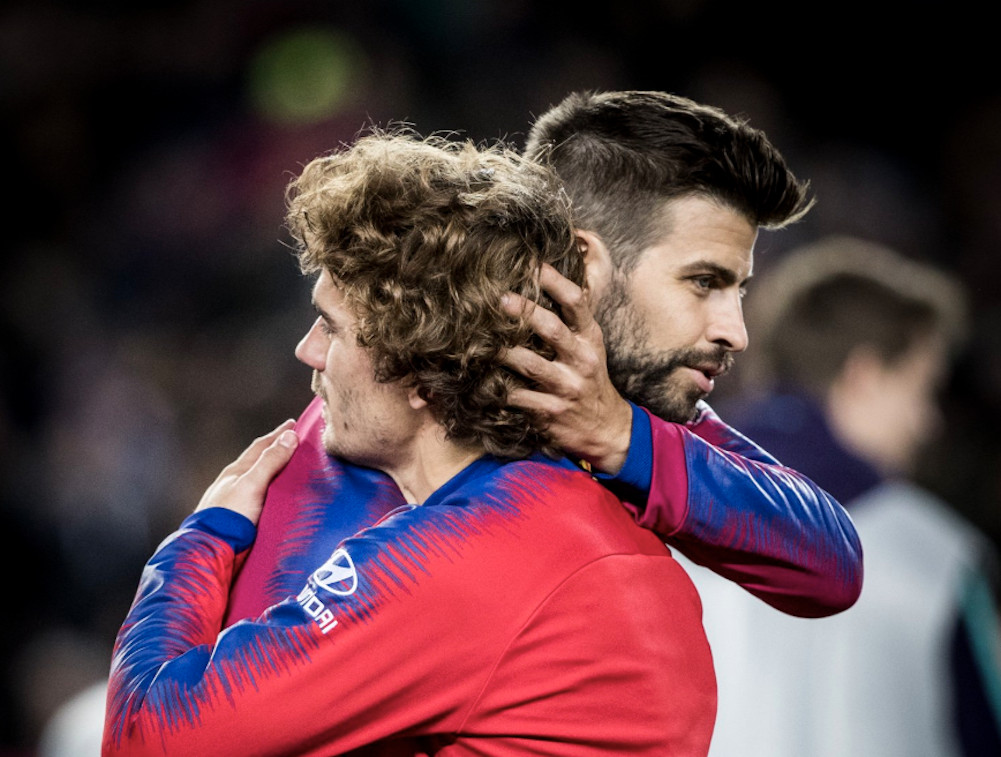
(327, 439)
(673, 408)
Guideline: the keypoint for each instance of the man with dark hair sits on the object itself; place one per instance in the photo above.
(855, 340)
(510, 604)
(668, 196)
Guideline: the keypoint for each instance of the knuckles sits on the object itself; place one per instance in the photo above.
(576, 299)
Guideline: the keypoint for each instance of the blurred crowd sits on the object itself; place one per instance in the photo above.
(149, 306)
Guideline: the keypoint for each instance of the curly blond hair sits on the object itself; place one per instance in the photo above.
(425, 235)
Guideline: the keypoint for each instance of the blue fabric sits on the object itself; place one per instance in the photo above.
(230, 526)
(632, 482)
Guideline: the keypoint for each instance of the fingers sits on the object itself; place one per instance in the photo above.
(552, 383)
(242, 485)
(250, 455)
(572, 394)
(573, 300)
(274, 456)
(541, 404)
(530, 365)
(558, 332)
(542, 321)
(577, 354)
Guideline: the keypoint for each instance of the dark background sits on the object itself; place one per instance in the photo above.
(149, 310)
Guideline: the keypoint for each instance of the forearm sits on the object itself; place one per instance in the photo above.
(753, 521)
(302, 678)
(163, 647)
(178, 686)
(710, 427)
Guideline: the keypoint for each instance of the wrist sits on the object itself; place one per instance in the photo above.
(614, 439)
(233, 527)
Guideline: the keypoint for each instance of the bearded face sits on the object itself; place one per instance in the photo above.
(660, 379)
(674, 320)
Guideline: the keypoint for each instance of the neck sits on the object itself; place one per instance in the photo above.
(858, 425)
(431, 461)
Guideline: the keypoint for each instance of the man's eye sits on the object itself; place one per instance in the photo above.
(325, 327)
(703, 282)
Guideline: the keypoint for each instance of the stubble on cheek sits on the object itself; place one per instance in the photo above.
(638, 372)
(338, 421)
(651, 378)
(653, 384)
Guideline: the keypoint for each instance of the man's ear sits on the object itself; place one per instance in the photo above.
(597, 262)
(414, 398)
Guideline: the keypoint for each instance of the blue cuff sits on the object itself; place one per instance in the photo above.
(632, 482)
(230, 526)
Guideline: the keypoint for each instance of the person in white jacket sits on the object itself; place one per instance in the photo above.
(854, 342)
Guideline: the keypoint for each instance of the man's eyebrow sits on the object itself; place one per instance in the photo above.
(320, 311)
(324, 315)
(703, 267)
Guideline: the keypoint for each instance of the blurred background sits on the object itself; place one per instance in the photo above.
(149, 309)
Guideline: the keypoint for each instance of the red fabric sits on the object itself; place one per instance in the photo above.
(520, 611)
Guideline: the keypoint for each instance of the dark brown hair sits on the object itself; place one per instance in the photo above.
(621, 155)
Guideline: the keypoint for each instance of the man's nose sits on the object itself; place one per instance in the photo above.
(727, 327)
(311, 349)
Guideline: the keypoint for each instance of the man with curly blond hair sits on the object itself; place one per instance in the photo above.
(510, 604)
(423, 257)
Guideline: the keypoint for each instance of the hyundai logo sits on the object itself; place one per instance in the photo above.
(337, 575)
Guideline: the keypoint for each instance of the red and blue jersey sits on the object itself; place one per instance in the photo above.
(704, 489)
(731, 507)
(313, 503)
(519, 610)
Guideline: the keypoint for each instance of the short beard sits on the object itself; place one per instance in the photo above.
(642, 375)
